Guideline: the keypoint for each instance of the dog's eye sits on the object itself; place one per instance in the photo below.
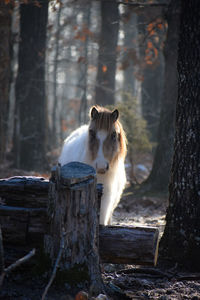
(114, 135)
(92, 134)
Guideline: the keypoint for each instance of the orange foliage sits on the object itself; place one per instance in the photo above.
(154, 26)
(151, 52)
(160, 26)
(83, 33)
(150, 27)
(149, 45)
(104, 69)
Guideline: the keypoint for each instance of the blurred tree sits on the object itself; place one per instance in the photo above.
(30, 119)
(136, 133)
(55, 135)
(72, 71)
(84, 61)
(159, 176)
(5, 61)
(181, 239)
(131, 56)
(105, 81)
(151, 26)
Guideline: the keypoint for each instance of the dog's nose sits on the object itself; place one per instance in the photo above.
(102, 169)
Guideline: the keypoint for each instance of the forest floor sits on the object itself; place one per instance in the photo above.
(164, 282)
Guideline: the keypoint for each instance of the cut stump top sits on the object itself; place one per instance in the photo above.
(76, 172)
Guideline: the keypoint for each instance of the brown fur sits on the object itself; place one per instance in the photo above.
(113, 147)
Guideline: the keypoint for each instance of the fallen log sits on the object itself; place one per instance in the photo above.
(23, 226)
(24, 191)
(24, 221)
(118, 244)
(128, 245)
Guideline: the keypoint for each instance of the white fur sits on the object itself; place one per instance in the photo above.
(75, 148)
(100, 162)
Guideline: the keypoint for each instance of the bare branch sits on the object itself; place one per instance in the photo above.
(20, 261)
(142, 4)
(53, 275)
(16, 264)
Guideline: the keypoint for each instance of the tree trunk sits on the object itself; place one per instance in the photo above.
(131, 60)
(105, 82)
(30, 122)
(5, 61)
(83, 111)
(181, 239)
(152, 88)
(153, 74)
(55, 114)
(159, 177)
(72, 211)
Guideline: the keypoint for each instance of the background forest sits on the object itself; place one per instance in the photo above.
(61, 57)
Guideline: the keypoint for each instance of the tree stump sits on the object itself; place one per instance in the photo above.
(73, 215)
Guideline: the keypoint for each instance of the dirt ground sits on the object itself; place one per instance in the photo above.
(121, 281)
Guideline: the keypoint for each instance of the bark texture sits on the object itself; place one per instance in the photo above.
(72, 211)
(24, 191)
(181, 239)
(105, 82)
(159, 176)
(128, 245)
(30, 122)
(5, 62)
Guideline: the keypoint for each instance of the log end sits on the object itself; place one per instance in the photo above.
(76, 172)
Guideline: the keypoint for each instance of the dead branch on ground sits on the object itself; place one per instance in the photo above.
(53, 275)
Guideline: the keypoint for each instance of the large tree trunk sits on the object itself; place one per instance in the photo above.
(105, 82)
(5, 60)
(159, 176)
(181, 240)
(30, 123)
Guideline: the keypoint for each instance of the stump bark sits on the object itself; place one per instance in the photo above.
(72, 212)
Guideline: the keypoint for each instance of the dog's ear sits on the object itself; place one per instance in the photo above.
(115, 115)
(94, 113)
